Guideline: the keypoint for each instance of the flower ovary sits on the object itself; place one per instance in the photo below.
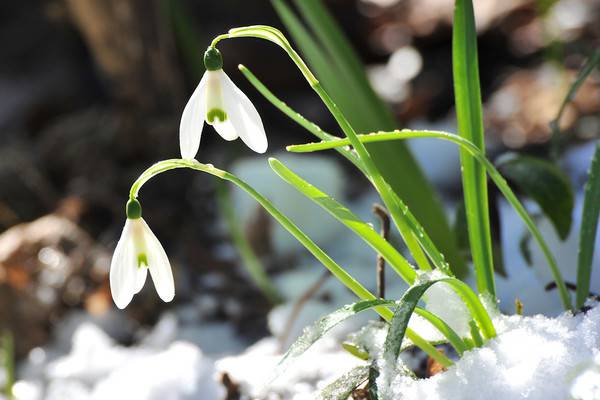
(213, 61)
(133, 209)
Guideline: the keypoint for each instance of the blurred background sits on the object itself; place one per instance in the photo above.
(91, 92)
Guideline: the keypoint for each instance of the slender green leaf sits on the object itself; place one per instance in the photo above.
(449, 333)
(345, 61)
(395, 162)
(407, 304)
(355, 351)
(591, 63)
(419, 234)
(342, 388)
(470, 125)
(395, 205)
(589, 226)
(349, 219)
(413, 233)
(545, 183)
(491, 170)
(298, 118)
(475, 335)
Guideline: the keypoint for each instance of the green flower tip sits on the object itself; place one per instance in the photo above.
(213, 60)
(221, 115)
(133, 209)
(142, 260)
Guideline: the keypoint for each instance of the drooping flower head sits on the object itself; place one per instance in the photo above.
(220, 103)
(138, 251)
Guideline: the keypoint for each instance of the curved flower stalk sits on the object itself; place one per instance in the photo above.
(138, 251)
(218, 102)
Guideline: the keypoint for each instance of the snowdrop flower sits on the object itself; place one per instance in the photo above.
(221, 104)
(138, 251)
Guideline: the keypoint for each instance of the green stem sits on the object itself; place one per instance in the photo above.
(315, 250)
(491, 170)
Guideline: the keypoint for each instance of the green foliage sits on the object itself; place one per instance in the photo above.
(491, 170)
(349, 219)
(343, 77)
(407, 304)
(340, 273)
(470, 126)
(592, 62)
(589, 226)
(545, 183)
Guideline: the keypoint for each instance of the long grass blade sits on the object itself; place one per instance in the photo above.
(588, 230)
(592, 62)
(421, 237)
(395, 163)
(407, 304)
(470, 125)
(345, 61)
(413, 233)
(297, 117)
(449, 333)
(491, 170)
(348, 218)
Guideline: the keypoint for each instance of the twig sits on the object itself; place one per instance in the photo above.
(385, 233)
(233, 388)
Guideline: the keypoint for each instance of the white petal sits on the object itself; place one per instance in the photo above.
(141, 274)
(123, 269)
(243, 115)
(226, 129)
(192, 122)
(160, 268)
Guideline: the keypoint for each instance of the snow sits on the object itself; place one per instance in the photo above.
(586, 384)
(321, 364)
(532, 358)
(97, 368)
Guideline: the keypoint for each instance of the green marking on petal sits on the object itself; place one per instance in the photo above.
(142, 259)
(216, 113)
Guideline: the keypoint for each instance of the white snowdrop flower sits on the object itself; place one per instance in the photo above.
(138, 251)
(219, 102)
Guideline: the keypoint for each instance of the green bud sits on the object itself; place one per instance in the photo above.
(133, 209)
(213, 60)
